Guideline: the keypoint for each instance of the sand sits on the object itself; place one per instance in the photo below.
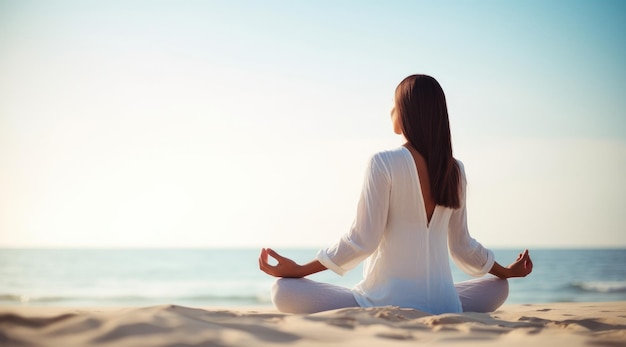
(553, 324)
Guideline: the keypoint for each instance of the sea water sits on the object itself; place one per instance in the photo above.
(231, 277)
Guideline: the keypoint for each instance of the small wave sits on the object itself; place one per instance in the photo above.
(25, 299)
(601, 286)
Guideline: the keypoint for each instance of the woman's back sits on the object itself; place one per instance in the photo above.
(410, 266)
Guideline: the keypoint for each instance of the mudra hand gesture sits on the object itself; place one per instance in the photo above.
(521, 267)
(286, 267)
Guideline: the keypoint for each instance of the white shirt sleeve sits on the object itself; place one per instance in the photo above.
(369, 224)
(468, 254)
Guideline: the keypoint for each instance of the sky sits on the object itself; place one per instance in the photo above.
(250, 123)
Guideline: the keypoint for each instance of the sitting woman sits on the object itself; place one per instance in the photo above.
(411, 213)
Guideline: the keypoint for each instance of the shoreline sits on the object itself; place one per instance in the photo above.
(574, 324)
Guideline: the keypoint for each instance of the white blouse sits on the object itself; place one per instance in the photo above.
(407, 257)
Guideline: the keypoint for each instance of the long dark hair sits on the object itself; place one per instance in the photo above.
(421, 104)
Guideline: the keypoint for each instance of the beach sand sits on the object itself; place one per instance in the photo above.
(552, 324)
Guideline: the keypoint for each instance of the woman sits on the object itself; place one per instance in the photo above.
(411, 213)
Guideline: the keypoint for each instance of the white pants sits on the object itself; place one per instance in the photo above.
(301, 295)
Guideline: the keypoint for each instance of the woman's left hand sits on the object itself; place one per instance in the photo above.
(284, 268)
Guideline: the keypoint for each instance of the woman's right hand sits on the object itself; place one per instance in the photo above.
(522, 266)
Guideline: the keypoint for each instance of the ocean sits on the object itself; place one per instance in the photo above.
(231, 278)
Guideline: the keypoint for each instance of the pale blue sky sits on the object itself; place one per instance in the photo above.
(242, 123)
